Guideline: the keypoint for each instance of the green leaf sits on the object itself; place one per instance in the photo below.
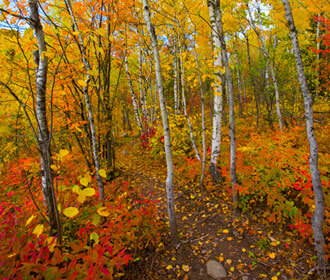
(70, 212)
(94, 236)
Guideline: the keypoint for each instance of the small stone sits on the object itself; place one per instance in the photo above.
(215, 269)
(124, 152)
(123, 134)
(245, 277)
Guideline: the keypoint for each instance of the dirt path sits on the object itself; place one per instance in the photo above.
(207, 231)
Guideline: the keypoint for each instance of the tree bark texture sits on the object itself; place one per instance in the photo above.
(229, 79)
(41, 61)
(318, 217)
(167, 138)
(218, 98)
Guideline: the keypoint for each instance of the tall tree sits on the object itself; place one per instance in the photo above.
(218, 98)
(231, 100)
(85, 83)
(318, 218)
(167, 137)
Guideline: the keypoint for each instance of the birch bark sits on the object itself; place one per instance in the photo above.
(318, 217)
(218, 98)
(184, 103)
(41, 61)
(167, 138)
(231, 101)
(135, 105)
(80, 42)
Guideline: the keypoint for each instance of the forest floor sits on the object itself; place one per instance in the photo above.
(208, 231)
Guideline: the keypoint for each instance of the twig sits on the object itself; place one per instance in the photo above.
(35, 203)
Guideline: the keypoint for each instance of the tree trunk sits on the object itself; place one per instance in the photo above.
(272, 72)
(231, 102)
(239, 86)
(167, 138)
(203, 117)
(318, 218)
(176, 79)
(87, 101)
(218, 98)
(184, 103)
(143, 97)
(41, 61)
(135, 105)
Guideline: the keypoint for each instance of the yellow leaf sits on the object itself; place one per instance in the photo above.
(82, 83)
(101, 31)
(229, 238)
(184, 218)
(38, 230)
(243, 250)
(70, 212)
(88, 192)
(103, 211)
(232, 269)
(103, 173)
(185, 268)
(54, 167)
(51, 243)
(88, 177)
(225, 231)
(12, 255)
(274, 277)
(229, 261)
(81, 198)
(272, 255)
(30, 220)
(75, 33)
(169, 267)
(76, 189)
(63, 153)
(84, 181)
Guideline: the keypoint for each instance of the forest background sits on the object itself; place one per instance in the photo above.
(212, 92)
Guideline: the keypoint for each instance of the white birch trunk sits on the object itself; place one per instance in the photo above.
(41, 61)
(176, 79)
(203, 117)
(232, 134)
(80, 42)
(135, 105)
(184, 103)
(167, 138)
(239, 85)
(318, 218)
(218, 102)
(143, 97)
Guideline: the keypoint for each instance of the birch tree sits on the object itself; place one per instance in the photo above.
(218, 99)
(134, 101)
(231, 100)
(318, 217)
(87, 66)
(167, 137)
